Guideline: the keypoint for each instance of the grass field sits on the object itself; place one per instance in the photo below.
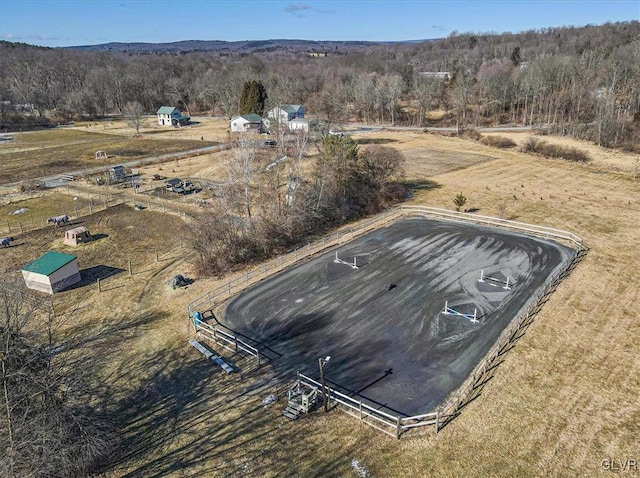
(564, 400)
(44, 153)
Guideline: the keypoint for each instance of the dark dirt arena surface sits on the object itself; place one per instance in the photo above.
(382, 324)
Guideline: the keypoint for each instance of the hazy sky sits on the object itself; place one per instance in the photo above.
(85, 22)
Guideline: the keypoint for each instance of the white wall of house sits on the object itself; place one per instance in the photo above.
(299, 124)
(237, 124)
(165, 120)
(241, 125)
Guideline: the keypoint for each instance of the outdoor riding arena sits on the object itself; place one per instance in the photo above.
(415, 309)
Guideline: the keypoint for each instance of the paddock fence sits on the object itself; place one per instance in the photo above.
(390, 424)
(86, 205)
(393, 425)
(226, 339)
(483, 372)
(531, 229)
(210, 300)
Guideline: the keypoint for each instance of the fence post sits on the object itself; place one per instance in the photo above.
(129, 265)
(397, 428)
(156, 251)
(360, 410)
(437, 420)
(98, 281)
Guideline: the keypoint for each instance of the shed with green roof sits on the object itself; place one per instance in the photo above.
(52, 272)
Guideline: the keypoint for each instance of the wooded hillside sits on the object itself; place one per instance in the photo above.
(582, 81)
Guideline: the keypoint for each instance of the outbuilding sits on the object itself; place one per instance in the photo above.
(76, 236)
(52, 272)
(251, 123)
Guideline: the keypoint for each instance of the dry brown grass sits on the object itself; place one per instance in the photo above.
(601, 158)
(45, 153)
(565, 398)
(211, 129)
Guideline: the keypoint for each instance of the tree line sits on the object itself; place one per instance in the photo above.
(267, 205)
(579, 81)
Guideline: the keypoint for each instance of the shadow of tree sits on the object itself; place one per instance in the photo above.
(366, 141)
(188, 417)
(423, 185)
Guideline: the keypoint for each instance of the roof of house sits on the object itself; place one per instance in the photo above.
(299, 120)
(166, 110)
(252, 118)
(291, 108)
(49, 263)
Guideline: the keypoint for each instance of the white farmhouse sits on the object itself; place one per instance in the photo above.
(170, 116)
(285, 113)
(52, 272)
(251, 123)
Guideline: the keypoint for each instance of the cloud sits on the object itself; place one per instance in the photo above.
(296, 9)
(11, 36)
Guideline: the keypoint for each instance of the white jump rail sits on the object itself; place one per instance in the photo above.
(214, 297)
(211, 299)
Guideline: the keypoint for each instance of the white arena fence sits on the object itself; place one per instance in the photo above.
(213, 298)
(225, 339)
(540, 231)
(387, 423)
(392, 425)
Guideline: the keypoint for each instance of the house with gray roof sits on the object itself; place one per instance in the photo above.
(170, 116)
(285, 113)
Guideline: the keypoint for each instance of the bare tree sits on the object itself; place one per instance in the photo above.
(133, 112)
(45, 430)
(242, 169)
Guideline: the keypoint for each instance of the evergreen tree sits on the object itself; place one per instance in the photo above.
(252, 97)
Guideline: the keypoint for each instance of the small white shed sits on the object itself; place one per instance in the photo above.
(251, 123)
(52, 272)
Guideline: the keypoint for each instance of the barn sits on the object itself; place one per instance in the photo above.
(52, 272)
(76, 236)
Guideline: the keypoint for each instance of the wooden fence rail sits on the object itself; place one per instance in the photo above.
(392, 425)
(486, 367)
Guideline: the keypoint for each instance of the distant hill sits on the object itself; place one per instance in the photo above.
(246, 46)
